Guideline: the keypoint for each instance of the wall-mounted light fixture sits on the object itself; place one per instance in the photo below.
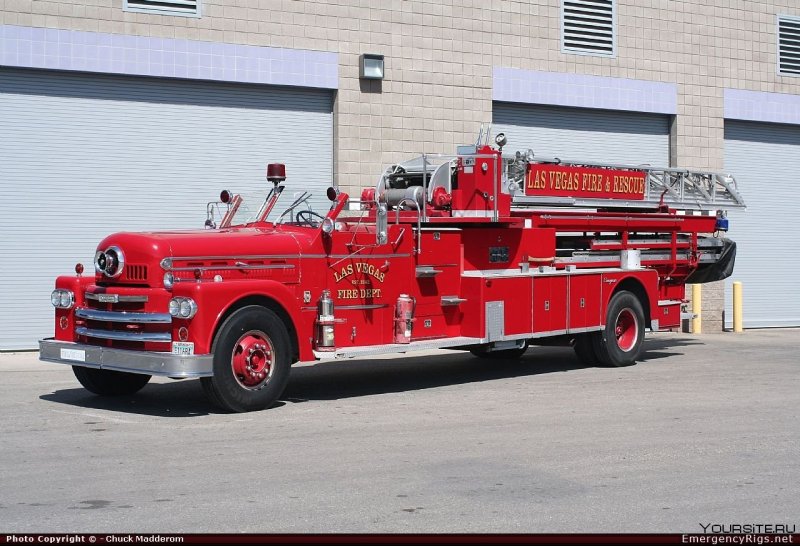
(370, 66)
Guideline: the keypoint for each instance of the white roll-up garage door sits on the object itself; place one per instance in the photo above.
(765, 159)
(584, 134)
(85, 155)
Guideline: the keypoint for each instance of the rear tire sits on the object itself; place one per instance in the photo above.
(252, 361)
(620, 343)
(109, 382)
(503, 354)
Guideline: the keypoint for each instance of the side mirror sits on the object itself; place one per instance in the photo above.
(332, 193)
(225, 196)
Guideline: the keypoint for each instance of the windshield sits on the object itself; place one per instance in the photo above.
(298, 208)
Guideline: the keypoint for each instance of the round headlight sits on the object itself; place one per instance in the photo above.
(169, 279)
(181, 307)
(115, 261)
(110, 262)
(63, 299)
(66, 299)
(328, 225)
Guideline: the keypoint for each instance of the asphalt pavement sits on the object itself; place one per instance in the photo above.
(706, 429)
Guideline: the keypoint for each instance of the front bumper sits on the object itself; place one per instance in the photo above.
(144, 362)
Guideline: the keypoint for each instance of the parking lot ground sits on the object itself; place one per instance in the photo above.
(703, 430)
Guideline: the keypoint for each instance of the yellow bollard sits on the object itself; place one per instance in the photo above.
(737, 306)
(697, 296)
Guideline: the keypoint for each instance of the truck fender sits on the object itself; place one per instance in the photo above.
(637, 284)
(218, 300)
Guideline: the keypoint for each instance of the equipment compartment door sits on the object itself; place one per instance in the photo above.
(515, 293)
(584, 301)
(549, 304)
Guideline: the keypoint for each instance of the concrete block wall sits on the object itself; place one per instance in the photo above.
(439, 56)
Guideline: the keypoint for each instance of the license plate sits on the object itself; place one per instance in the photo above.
(73, 354)
(183, 348)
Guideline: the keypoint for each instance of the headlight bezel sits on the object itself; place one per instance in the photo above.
(181, 307)
(113, 255)
(61, 298)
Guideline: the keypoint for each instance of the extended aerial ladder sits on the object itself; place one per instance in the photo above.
(659, 223)
(681, 189)
(603, 214)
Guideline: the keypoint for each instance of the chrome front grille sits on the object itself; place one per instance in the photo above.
(124, 320)
(124, 316)
(119, 335)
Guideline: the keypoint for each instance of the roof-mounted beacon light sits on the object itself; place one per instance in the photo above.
(722, 221)
(225, 196)
(276, 173)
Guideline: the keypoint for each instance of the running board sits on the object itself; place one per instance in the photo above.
(423, 345)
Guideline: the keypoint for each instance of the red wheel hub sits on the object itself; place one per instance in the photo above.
(252, 359)
(626, 330)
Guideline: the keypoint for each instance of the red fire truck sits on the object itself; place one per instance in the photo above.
(478, 251)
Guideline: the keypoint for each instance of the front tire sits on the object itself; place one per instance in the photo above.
(621, 341)
(109, 382)
(252, 361)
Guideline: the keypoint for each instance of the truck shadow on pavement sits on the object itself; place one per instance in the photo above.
(354, 378)
(184, 398)
(348, 379)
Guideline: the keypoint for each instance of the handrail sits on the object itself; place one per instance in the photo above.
(418, 246)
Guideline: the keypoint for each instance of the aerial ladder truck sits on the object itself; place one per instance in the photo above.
(479, 251)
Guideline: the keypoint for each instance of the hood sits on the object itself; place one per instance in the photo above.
(143, 253)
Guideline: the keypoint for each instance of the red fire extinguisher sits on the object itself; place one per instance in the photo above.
(404, 318)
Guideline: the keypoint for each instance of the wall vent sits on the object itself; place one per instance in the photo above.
(587, 26)
(789, 45)
(189, 8)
